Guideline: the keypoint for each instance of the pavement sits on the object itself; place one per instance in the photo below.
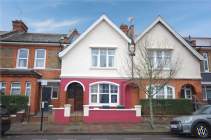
(33, 128)
(97, 137)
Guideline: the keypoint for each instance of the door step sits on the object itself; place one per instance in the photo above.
(77, 116)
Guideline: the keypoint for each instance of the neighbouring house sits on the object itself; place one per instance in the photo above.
(29, 64)
(93, 75)
(203, 46)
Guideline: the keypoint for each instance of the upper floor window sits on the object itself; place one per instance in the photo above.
(205, 62)
(15, 88)
(104, 94)
(166, 92)
(22, 58)
(40, 56)
(160, 59)
(2, 87)
(103, 57)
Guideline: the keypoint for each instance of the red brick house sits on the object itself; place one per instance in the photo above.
(29, 64)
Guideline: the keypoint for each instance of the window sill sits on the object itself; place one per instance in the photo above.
(101, 105)
(103, 68)
(37, 68)
(21, 67)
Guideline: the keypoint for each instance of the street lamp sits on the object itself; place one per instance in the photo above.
(132, 50)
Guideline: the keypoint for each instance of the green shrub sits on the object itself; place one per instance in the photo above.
(168, 106)
(14, 103)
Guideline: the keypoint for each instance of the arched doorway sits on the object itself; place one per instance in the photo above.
(187, 91)
(132, 95)
(75, 96)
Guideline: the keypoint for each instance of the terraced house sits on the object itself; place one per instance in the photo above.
(89, 73)
(29, 64)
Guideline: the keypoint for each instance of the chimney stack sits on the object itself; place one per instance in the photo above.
(19, 26)
(131, 31)
(193, 43)
(124, 28)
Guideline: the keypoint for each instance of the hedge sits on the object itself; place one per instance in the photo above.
(168, 106)
(14, 103)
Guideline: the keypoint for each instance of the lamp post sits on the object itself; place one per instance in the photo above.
(132, 50)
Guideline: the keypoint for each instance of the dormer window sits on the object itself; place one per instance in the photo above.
(103, 57)
(22, 58)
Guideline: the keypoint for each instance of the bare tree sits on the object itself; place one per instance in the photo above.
(152, 72)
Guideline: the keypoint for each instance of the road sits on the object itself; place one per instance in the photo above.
(96, 137)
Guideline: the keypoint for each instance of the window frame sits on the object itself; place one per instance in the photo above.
(52, 89)
(15, 88)
(98, 94)
(27, 88)
(205, 61)
(35, 58)
(18, 58)
(155, 57)
(98, 56)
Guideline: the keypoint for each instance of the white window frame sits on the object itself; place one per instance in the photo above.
(18, 58)
(107, 58)
(185, 94)
(15, 88)
(28, 88)
(98, 94)
(154, 52)
(1, 87)
(165, 92)
(35, 58)
(205, 62)
(52, 88)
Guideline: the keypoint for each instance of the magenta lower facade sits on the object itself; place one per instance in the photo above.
(112, 116)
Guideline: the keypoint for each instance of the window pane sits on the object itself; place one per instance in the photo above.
(2, 87)
(40, 53)
(113, 98)
(160, 93)
(94, 88)
(94, 98)
(22, 63)
(104, 98)
(111, 61)
(159, 59)
(40, 63)
(23, 53)
(94, 60)
(169, 93)
(15, 89)
(103, 53)
(114, 89)
(28, 89)
(55, 93)
(95, 51)
(111, 51)
(104, 88)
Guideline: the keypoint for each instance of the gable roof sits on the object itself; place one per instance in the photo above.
(178, 36)
(96, 23)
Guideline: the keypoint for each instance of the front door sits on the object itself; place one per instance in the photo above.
(78, 99)
(46, 97)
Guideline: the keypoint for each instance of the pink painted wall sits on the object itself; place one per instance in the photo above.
(105, 116)
(58, 117)
(87, 81)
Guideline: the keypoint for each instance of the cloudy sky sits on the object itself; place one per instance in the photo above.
(59, 16)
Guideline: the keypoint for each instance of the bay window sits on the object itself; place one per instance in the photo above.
(103, 57)
(22, 58)
(166, 92)
(104, 94)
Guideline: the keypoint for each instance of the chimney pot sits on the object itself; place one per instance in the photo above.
(124, 28)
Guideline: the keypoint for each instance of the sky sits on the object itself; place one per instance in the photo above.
(187, 17)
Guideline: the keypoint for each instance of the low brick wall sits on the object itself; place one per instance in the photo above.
(58, 116)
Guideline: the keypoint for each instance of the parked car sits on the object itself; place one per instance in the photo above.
(5, 119)
(197, 124)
